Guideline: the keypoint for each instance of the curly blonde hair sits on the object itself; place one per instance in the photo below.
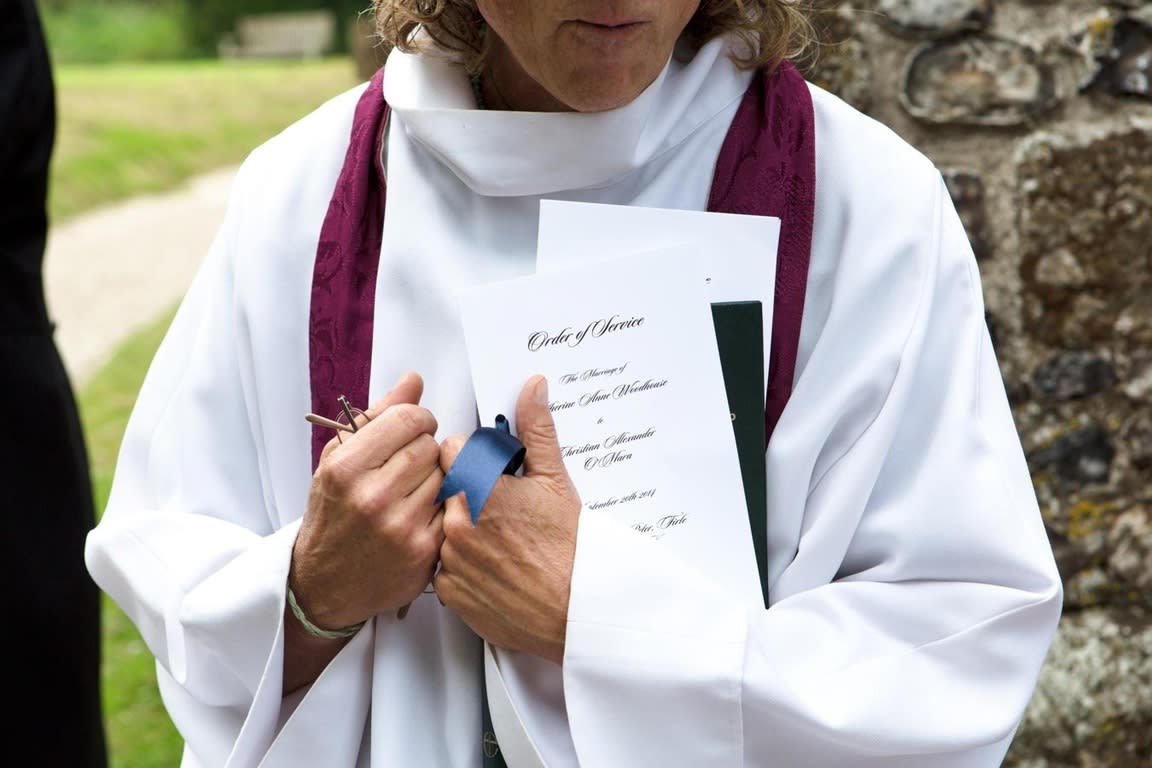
(772, 30)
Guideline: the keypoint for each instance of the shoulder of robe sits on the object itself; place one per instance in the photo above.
(282, 191)
(296, 170)
(878, 217)
(867, 169)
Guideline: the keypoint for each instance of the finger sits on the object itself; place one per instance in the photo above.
(409, 388)
(451, 567)
(359, 419)
(457, 519)
(422, 500)
(393, 484)
(456, 591)
(536, 428)
(436, 532)
(329, 447)
(380, 439)
(436, 528)
(442, 585)
(434, 541)
(450, 449)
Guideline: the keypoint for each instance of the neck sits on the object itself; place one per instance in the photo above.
(507, 86)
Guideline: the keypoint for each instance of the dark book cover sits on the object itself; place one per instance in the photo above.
(740, 340)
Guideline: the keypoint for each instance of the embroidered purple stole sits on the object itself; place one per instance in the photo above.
(766, 167)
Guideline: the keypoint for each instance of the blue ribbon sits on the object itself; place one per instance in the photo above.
(487, 454)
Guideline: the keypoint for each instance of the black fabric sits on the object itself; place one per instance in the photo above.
(27, 134)
(50, 631)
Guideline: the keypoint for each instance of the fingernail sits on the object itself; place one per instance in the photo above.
(542, 391)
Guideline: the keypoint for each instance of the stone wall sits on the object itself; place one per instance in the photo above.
(1040, 116)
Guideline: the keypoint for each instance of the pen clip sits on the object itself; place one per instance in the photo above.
(344, 406)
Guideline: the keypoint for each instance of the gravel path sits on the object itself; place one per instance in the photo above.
(111, 271)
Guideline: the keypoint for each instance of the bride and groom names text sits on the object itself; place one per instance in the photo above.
(615, 448)
(618, 446)
(601, 394)
(614, 444)
(615, 393)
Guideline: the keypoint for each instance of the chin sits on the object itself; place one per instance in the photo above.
(603, 92)
(601, 102)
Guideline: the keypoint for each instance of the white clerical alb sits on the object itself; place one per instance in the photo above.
(465, 187)
(913, 589)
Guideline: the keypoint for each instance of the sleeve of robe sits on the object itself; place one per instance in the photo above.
(189, 548)
(913, 590)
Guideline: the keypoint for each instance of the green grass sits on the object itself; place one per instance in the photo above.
(129, 129)
(140, 735)
(107, 398)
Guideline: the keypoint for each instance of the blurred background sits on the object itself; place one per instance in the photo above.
(1039, 115)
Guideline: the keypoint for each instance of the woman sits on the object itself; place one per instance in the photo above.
(913, 593)
(52, 632)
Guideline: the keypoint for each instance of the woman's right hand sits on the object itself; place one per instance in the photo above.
(370, 539)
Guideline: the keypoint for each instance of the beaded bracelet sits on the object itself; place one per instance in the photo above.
(315, 631)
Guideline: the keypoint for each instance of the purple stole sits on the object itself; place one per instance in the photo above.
(766, 167)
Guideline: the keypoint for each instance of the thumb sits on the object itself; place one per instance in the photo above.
(408, 389)
(537, 430)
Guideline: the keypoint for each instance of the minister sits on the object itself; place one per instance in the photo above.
(270, 566)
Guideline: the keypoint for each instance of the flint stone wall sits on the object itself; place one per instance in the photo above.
(1039, 113)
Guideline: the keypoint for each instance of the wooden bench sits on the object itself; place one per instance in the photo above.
(295, 35)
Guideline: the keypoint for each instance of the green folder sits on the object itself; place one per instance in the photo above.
(740, 340)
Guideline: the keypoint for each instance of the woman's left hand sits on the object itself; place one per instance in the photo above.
(510, 576)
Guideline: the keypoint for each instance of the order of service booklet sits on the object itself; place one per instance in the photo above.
(637, 390)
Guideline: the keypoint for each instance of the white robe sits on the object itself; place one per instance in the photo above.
(913, 590)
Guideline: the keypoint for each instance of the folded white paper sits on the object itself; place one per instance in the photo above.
(737, 252)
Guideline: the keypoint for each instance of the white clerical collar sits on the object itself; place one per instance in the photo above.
(507, 154)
